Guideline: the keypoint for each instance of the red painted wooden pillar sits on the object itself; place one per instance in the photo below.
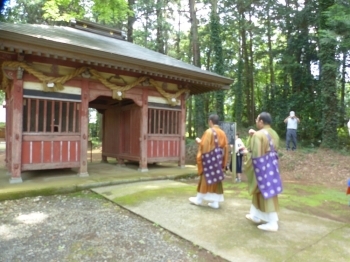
(182, 132)
(143, 132)
(16, 143)
(84, 128)
(8, 132)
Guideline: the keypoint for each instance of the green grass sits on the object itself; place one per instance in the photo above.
(141, 196)
(311, 196)
(33, 193)
(301, 197)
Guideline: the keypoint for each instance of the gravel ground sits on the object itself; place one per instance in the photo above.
(85, 227)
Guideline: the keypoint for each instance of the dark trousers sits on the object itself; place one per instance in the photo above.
(239, 162)
(291, 136)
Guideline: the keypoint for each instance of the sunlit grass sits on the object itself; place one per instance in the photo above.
(295, 195)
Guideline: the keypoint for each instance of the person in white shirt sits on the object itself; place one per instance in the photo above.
(240, 151)
(292, 122)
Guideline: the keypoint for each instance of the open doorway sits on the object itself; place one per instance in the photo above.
(95, 136)
(113, 126)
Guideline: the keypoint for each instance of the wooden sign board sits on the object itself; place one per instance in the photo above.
(230, 130)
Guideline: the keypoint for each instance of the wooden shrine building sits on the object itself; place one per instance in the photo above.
(52, 75)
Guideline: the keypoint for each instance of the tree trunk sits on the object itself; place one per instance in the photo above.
(131, 21)
(328, 82)
(200, 117)
(160, 38)
(215, 30)
(194, 34)
(342, 119)
(269, 44)
(245, 74)
(251, 84)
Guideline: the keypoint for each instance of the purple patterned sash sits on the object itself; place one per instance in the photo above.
(212, 163)
(267, 172)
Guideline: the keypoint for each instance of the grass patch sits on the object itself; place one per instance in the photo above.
(309, 150)
(142, 196)
(297, 196)
(236, 189)
(310, 196)
(34, 193)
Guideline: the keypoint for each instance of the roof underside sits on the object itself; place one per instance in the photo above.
(97, 50)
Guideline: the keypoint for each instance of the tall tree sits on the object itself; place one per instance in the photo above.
(328, 74)
(200, 117)
(338, 21)
(215, 33)
(160, 27)
(131, 21)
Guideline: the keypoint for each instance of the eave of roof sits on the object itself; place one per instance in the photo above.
(95, 49)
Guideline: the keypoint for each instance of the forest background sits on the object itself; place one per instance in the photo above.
(283, 55)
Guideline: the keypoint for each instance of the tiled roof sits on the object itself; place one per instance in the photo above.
(104, 50)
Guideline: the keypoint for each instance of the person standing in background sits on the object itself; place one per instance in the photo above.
(240, 151)
(292, 122)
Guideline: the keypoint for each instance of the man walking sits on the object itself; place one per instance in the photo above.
(292, 126)
(263, 211)
(214, 193)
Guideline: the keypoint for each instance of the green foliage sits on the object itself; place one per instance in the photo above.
(291, 56)
(62, 10)
(238, 92)
(110, 12)
(200, 115)
(95, 126)
(2, 97)
(95, 142)
(218, 61)
(189, 141)
(344, 139)
(328, 77)
(23, 11)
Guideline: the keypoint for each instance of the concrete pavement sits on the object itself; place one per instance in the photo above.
(226, 232)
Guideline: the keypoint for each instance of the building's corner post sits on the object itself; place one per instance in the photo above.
(143, 132)
(84, 127)
(182, 142)
(17, 118)
(8, 131)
